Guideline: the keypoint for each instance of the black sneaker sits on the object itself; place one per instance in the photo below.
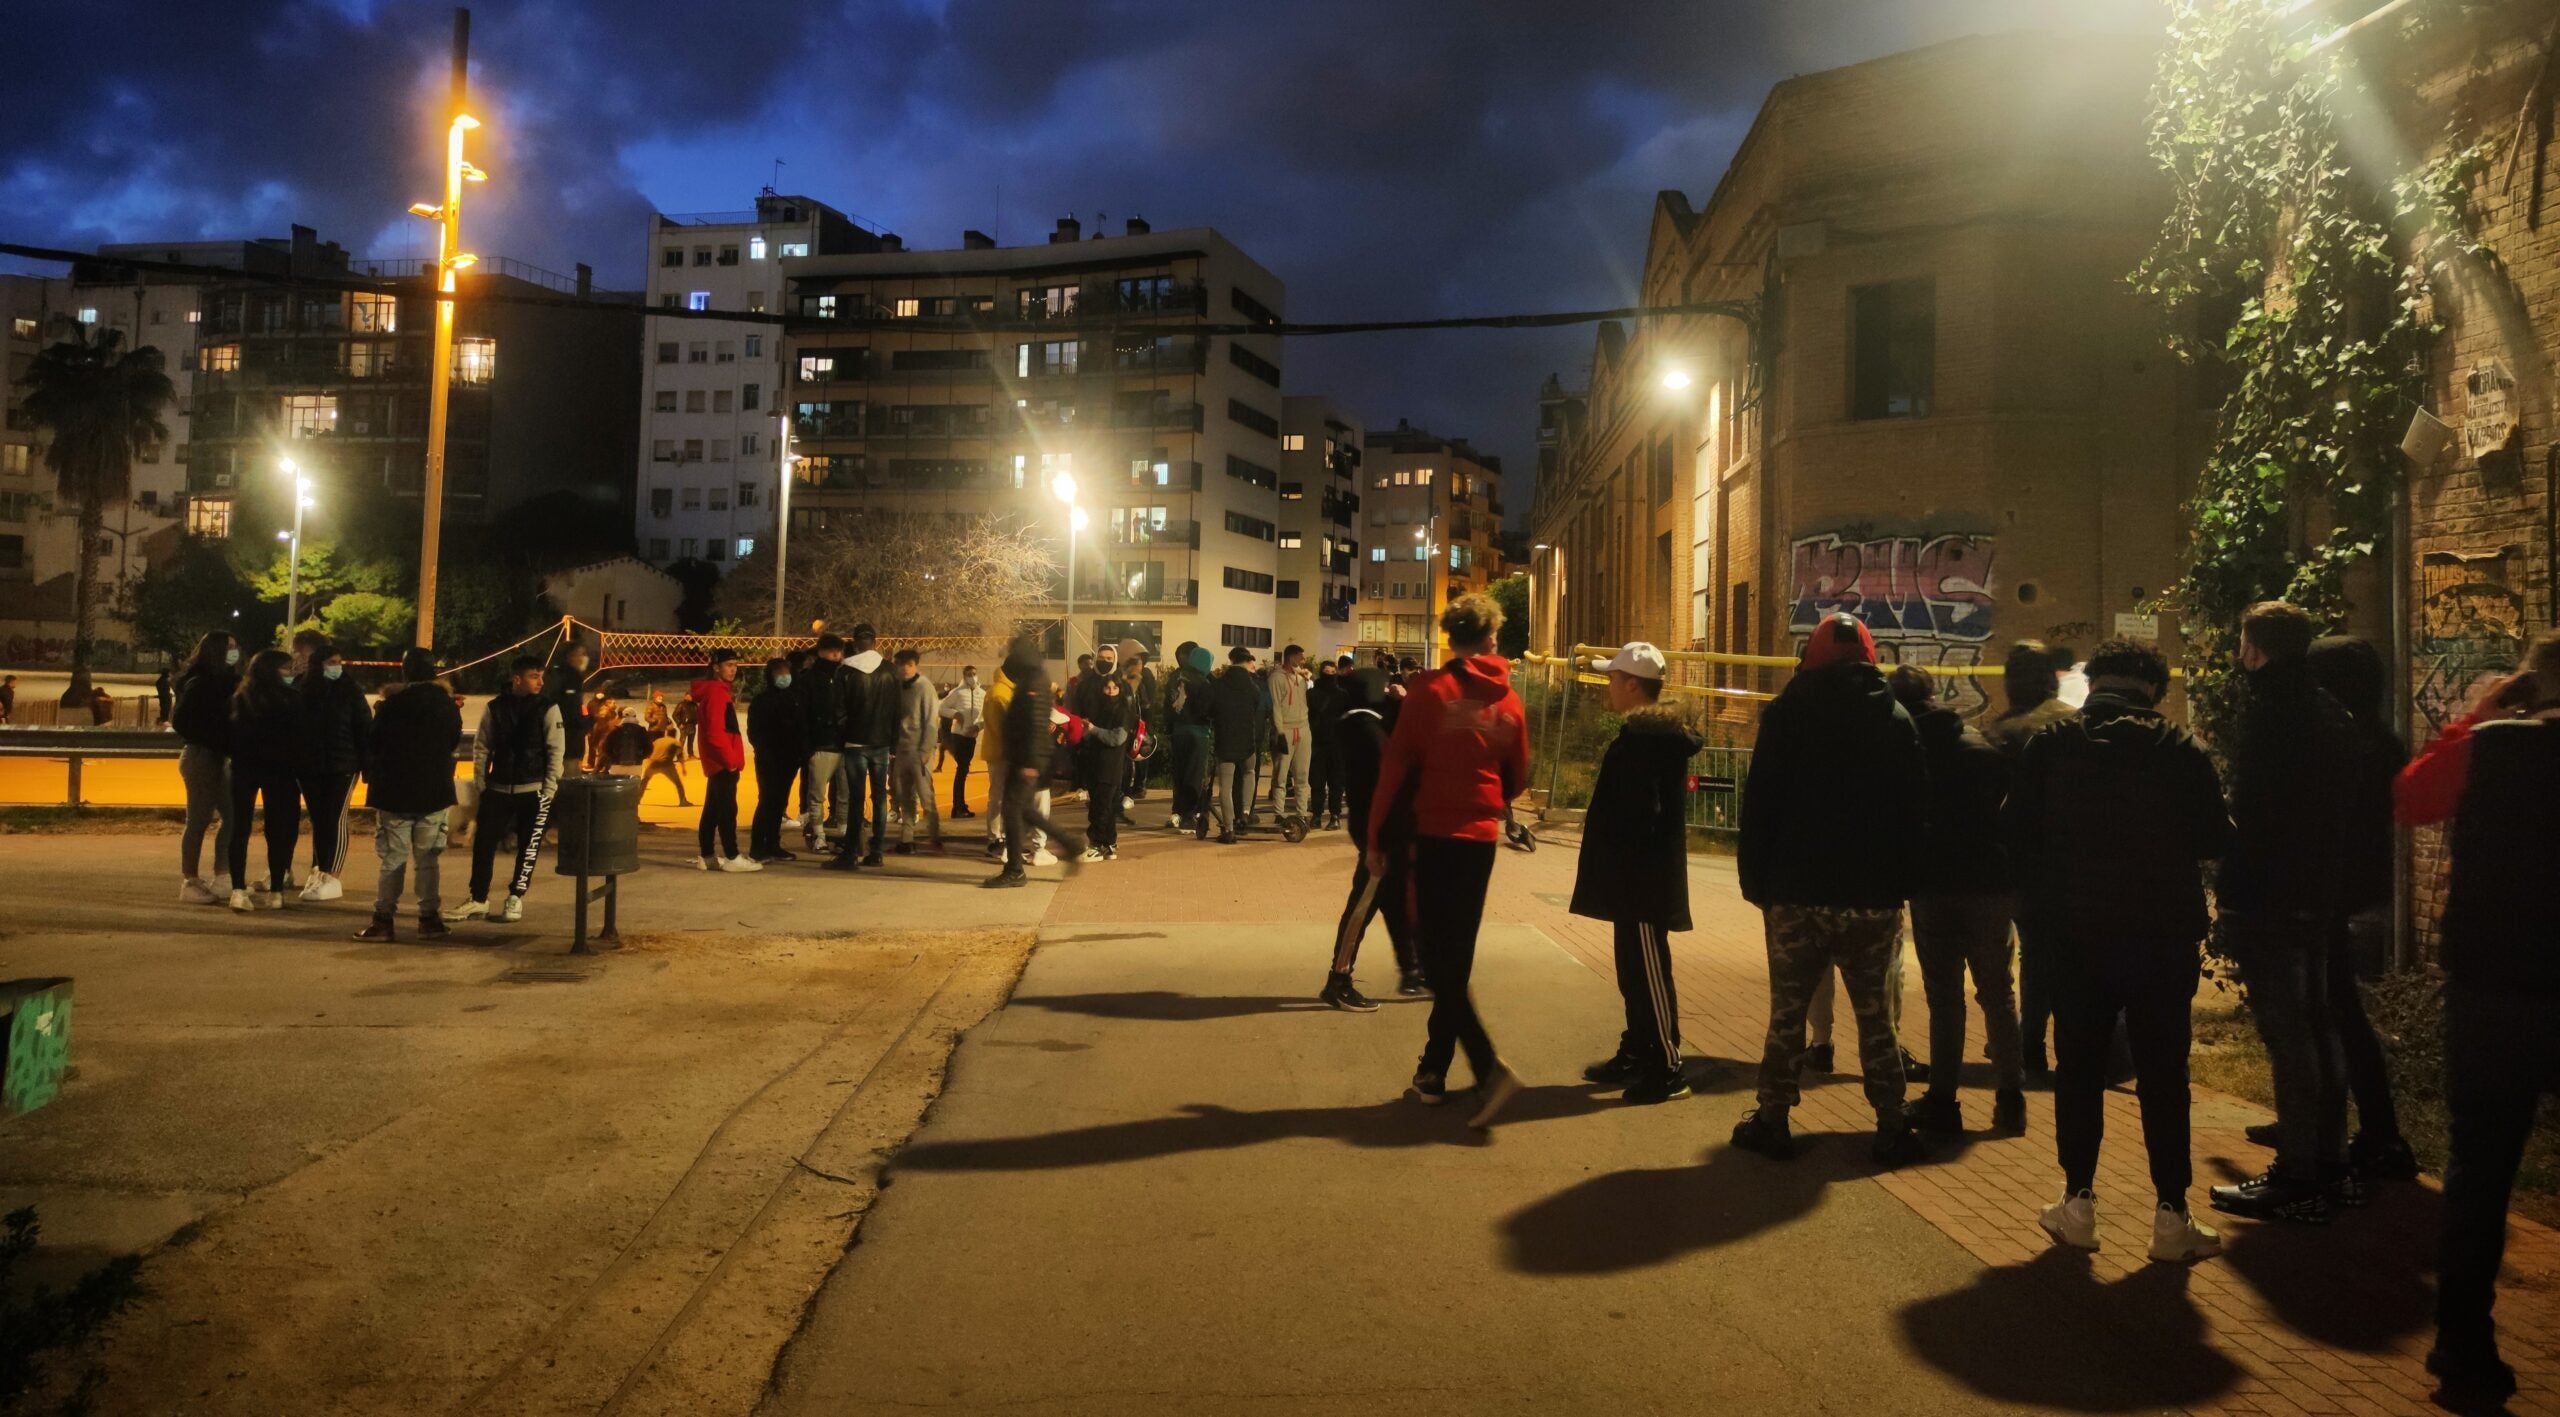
(2009, 1113)
(840, 863)
(1818, 1058)
(2277, 1195)
(1765, 1131)
(432, 927)
(2377, 1159)
(1656, 1087)
(872, 859)
(1342, 994)
(1411, 984)
(2343, 1187)
(1898, 1145)
(1616, 1068)
(1938, 1112)
(1200, 827)
(1913, 1069)
(906, 848)
(379, 932)
(1007, 878)
(1226, 838)
(778, 854)
(1430, 1089)
(2262, 1134)
(2471, 1381)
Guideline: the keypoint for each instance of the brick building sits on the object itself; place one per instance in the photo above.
(1957, 421)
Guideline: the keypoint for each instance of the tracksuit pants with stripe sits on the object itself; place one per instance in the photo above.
(1652, 1038)
(1374, 897)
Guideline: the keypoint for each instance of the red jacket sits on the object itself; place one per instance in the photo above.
(1462, 743)
(721, 748)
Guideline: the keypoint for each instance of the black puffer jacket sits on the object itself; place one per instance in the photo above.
(202, 717)
(2502, 901)
(2293, 792)
(872, 699)
(2110, 819)
(1960, 850)
(2351, 670)
(1634, 863)
(825, 691)
(410, 772)
(1836, 766)
(1027, 739)
(1238, 714)
(336, 726)
(774, 729)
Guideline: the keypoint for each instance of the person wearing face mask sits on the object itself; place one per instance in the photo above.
(336, 722)
(202, 721)
(964, 710)
(265, 722)
(781, 748)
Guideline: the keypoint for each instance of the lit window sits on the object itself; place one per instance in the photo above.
(1423, 477)
(310, 415)
(1291, 541)
(699, 300)
(908, 307)
(746, 547)
(817, 368)
(1020, 462)
(88, 314)
(475, 361)
(755, 248)
(193, 316)
(1422, 553)
(209, 516)
(818, 307)
(1294, 443)
(373, 314)
(1403, 479)
(221, 358)
(1377, 553)
(795, 248)
(24, 327)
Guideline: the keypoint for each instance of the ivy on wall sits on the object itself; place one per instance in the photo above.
(2284, 272)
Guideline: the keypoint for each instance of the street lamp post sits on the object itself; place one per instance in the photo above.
(782, 521)
(1430, 554)
(451, 259)
(1065, 488)
(293, 550)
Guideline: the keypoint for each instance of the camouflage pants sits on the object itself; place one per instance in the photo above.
(1805, 943)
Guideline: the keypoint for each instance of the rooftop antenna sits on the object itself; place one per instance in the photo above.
(777, 176)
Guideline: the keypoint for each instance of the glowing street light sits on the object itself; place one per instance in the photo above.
(451, 259)
(1675, 378)
(1063, 487)
(293, 539)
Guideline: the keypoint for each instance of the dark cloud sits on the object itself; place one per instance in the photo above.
(1416, 158)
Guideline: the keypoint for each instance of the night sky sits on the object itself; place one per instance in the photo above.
(1387, 158)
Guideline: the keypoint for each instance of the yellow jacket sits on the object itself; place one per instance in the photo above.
(991, 741)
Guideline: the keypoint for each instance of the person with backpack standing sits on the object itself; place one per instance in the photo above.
(781, 749)
(515, 760)
(1461, 747)
(724, 756)
(202, 721)
(1633, 870)
(409, 784)
(336, 722)
(266, 728)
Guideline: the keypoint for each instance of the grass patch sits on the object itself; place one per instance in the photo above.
(2407, 1010)
(93, 821)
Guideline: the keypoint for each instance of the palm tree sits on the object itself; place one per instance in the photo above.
(102, 404)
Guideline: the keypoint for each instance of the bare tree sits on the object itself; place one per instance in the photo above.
(910, 573)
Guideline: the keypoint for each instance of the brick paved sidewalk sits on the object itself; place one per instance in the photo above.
(2329, 1319)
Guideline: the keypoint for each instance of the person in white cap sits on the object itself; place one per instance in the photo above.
(1634, 869)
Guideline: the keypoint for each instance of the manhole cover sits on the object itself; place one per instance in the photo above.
(546, 974)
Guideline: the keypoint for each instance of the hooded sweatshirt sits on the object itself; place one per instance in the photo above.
(1236, 708)
(1462, 743)
(722, 749)
(916, 701)
(410, 770)
(1025, 732)
(1288, 699)
(2351, 670)
(1362, 731)
(1634, 863)
(1960, 852)
(872, 701)
(2294, 765)
(1833, 737)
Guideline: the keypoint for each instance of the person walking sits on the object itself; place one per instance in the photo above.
(1024, 757)
(2495, 775)
(336, 724)
(964, 710)
(2293, 787)
(408, 778)
(266, 725)
(780, 748)
(2031, 689)
(666, 751)
(1110, 728)
(2110, 818)
(1363, 729)
(1633, 870)
(1189, 709)
(1962, 909)
(202, 721)
(911, 758)
(566, 683)
(1834, 734)
(515, 760)
(826, 785)
(1236, 728)
(1461, 749)
(724, 756)
(1292, 730)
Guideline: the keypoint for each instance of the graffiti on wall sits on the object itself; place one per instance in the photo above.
(2470, 628)
(1925, 598)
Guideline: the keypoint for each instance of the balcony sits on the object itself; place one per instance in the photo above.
(957, 420)
(1183, 533)
(1179, 299)
(1168, 417)
(1339, 510)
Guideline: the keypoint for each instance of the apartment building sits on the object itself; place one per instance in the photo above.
(1965, 431)
(1431, 513)
(1319, 526)
(982, 376)
(711, 393)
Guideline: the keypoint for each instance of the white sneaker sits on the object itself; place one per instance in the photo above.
(471, 910)
(193, 891)
(511, 911)
(740, 863)
(322, 886)
(2177, 1238)
(2073, 1221)
(1498, 1091)
(1043, 857)
(1093, 853)
(705, 863)
(243, 902)
(271, 900)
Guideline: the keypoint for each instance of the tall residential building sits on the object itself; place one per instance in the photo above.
(1319, 525)
(711, 392)
(1012, 375)
(1431, 512)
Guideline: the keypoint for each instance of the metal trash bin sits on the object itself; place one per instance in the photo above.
(598, 819)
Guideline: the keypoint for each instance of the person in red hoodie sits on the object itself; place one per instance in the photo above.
(723, 753)
(1459, 754)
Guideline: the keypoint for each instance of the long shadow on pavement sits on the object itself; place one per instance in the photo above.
(1631, 1219)
(1166, 1006)
(2047, 1334)
(2357, 1284)
(1203, 1126)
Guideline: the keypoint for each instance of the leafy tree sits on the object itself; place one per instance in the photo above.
(197, 590)
(367, 620)
(102, 404)
(910, 573)
(1512, 594)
